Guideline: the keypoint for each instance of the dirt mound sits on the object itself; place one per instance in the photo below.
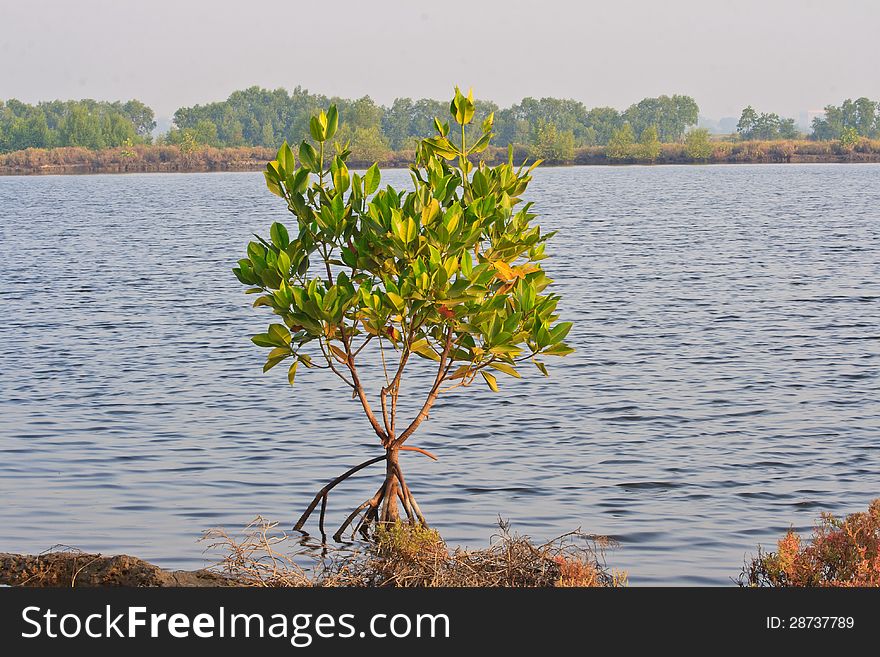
(70, 569)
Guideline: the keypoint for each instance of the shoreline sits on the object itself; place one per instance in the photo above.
(171, 159)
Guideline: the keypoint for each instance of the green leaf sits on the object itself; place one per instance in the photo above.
(490, 379)
(280, 237)
(332, 122)
(356, 186)
(263, 340)
(285, 159)
(442, 128)
(541, 367)
(559, 349)
(467, 265)
(309, 157)
(273, 170)
(462, 107)
(283, 263)
(273, 185)
(300, 181)
(337, 207)
(481, 144)
(371, 179)
(442, 147)
(412, 230)
(272, 362)
(316, 129)
(279, 334)
(558, 333)
(339, 173)
(291, 372)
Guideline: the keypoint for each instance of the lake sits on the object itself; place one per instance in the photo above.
(725, 384)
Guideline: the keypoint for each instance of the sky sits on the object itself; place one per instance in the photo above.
(780, 56)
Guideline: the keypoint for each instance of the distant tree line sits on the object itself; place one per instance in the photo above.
(87, 123)
(765, 126)
(553, 127)
(550, 128)
(860, 117)
(851, 120)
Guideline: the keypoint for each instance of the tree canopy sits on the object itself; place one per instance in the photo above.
(87, 123)
(259, 117)
(861, 116)
(753, 125)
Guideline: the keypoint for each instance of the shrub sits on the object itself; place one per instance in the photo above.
(697, 144)
(552, 144)
(840, 553)
(620, 146)
(649, 146)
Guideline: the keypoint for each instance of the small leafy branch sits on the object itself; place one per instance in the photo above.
(449, 271)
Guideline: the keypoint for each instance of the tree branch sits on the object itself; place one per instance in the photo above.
(359, 389)
(442, 370)
(329, 360)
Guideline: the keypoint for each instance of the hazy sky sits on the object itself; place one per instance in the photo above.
(778, 55)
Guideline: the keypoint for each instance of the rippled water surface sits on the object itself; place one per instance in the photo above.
(725, 384)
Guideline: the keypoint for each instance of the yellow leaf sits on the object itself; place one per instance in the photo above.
(422, 348)
(430, 211)
(506, 368)
(396, 300)
(506, 273)
(490, 379)
(278, 352)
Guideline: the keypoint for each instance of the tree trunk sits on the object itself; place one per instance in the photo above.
(390, 512)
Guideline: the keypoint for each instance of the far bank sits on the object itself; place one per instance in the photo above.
(174, 159)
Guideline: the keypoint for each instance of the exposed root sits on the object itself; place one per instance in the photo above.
(370, 503)
(379, 509)
(322, 494)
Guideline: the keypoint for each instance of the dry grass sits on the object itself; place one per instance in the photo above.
(167, 158)
(136, 158)
(403, 555)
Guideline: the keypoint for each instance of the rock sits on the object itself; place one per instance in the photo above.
(71, 569)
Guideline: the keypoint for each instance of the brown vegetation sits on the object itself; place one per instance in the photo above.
(133, 159)
(403, 555)
(754, 152)
(841, 553)
(165, 158)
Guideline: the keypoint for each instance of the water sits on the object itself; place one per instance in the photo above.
(725, 385)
